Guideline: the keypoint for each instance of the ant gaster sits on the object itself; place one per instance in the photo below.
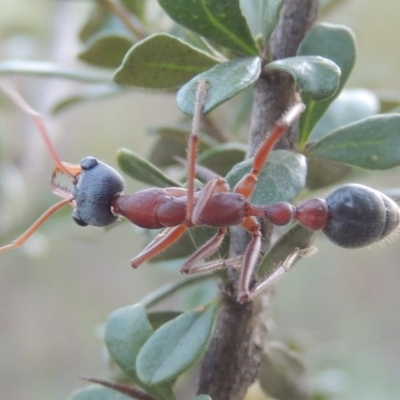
(350, 216)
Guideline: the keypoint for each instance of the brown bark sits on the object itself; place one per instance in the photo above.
(231, 363)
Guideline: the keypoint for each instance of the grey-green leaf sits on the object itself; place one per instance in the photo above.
(172, 143)
(283, 374)
(270, 16)
(225, 81)
(282, 178)
(350, 106)
(105, 50)
(159, 318)
(336, 43)
(97, 392)
(223, 157)
(88, 94)
(220, 21)
(372, 143)
(140, 169)
(162, 61)
(316, 76)
(50, 70)
(295, 237)
(127, 329)
(175, 346)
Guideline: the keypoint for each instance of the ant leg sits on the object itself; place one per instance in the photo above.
(28, 233)
(192, 146)
(204, 251)
(214, 265)
(250, 258)
(281, 270)
(157, 246)
(248, 183)
(216, 185)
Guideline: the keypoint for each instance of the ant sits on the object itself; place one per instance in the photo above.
(351, 216)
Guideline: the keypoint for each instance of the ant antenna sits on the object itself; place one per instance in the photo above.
(68, 169)
(38, 121)
(28, 233)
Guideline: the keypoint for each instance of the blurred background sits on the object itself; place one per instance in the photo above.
(340, 307)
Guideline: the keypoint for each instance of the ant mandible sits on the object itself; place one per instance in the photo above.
(350, 216)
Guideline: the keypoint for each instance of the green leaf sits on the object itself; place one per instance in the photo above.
(350, 106)
(159, 318)
(336, 43)
(97, 20)
(321, 173)
(222, 158)
(221, 21)
(97, 392)
(172, 143)
(136, 7)
(283, 374)
(225, 81)
(175, 346)
(50, 70)
(127, 329)
(281, 179)
(316, 76)
(140, 169)
(162, 62)
(105, 50)
(270, 16)
(373, 143)
(182, 248)
(295, 237)
(89, 94)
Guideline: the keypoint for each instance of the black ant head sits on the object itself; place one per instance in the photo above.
(93, 192)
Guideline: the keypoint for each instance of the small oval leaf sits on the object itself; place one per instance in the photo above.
(315, 75)
(140, 169)
(89, 94)
(97, 392)
(225, 80)
(283, 373)
(172, 143)
(221, 21)
(282, 178)
(175, 346)
(50, 70)
(159, 318)
(222, 158)
(105, 50)
(321, 173)
(127, 329)
(350, 106)
(336, 43)
(372, 143)
(162, 61)
(270, 16)
(295, 237)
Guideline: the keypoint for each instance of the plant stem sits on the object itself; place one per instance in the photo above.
(232, 360)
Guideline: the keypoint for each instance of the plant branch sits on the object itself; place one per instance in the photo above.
(232, 361)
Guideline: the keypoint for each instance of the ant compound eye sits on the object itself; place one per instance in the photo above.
(89, 163)
(79, 221)
(94, 191)
(360, 216)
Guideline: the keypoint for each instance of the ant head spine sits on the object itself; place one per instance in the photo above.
(94, 192)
